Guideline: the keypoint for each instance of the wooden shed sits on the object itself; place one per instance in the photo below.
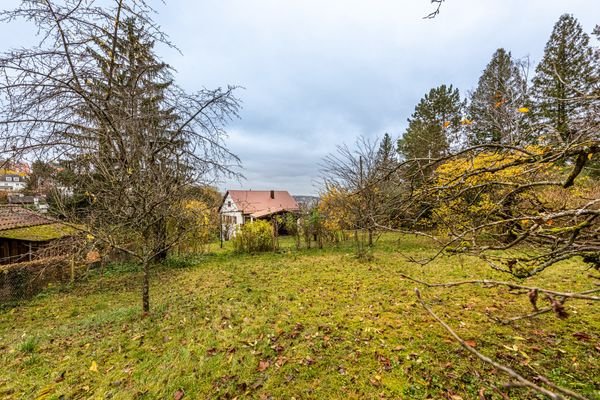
(23, 233)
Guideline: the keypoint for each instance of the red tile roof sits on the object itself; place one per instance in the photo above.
(258, 203)
(12, 217)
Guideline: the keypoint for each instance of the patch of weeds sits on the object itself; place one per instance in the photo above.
(185, 261)
(29, 345)
(110, 316)
(31, 360)
(119, 268)
(365, 254)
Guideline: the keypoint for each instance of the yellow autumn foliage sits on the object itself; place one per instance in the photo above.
(480, 188)
(336, 206)
(199, 220)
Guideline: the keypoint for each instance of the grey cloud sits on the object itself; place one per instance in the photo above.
(320, 73)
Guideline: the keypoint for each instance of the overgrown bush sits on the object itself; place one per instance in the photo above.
(254, 237)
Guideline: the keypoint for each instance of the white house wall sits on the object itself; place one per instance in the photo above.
(229, 208)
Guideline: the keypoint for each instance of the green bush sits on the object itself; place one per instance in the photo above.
(254, 237)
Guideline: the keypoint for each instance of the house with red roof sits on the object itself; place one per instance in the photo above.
(242, 206)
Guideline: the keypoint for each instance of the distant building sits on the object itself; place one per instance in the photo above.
(37, 203)
(241, 206)
(21, 168)
(12, 182)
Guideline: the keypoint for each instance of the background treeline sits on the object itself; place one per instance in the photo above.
(515, 162)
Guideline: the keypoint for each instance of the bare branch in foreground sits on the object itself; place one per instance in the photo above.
(490, 283)
(520, 380)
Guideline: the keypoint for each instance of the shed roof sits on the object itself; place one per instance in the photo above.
(259, 203)
(12, 217)
(38, 233)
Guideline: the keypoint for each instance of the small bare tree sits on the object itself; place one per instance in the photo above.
(95, 98)
(364, 181)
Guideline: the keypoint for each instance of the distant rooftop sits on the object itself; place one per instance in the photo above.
(259, 203)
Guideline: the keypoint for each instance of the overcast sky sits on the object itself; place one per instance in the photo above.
(320, 73)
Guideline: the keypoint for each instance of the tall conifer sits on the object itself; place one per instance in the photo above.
(494, 109)
(434, 126)
(563, 78)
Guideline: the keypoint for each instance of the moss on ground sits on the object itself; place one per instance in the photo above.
(296, 324)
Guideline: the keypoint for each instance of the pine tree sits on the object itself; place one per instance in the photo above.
(386, 155)
(563, 77)
(596, 78)
(130, 87)
(434, 126)
(493, 111)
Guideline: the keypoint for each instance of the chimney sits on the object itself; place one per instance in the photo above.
(272, 194)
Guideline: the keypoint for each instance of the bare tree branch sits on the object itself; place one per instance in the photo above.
(522, 381)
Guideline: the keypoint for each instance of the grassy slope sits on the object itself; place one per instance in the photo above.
(308, 324)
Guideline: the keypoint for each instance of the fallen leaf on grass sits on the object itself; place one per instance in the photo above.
(263, 365)
(471, 343)
(94, 367)
(385, 361)
(45, 392)
(376, 380)
(179, 394)
(61, 377)
(211, 352)
(482, 394)
(582, 336)
(280, 361)
(513, 348)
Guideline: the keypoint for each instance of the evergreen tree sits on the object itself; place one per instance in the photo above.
(131, 87)
(596, 78)
(563, 78)
(434, 126)
(493, 111)
(141, 143)
(386, 155)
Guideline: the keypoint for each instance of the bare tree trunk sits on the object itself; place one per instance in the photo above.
(161, 236)
(146, 288)
(275, 235)
(72, 265)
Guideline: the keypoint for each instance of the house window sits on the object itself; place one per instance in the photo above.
(16, 179)
(9, 179)
(229, 203)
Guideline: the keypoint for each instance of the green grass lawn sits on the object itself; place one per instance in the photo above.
(302, 324)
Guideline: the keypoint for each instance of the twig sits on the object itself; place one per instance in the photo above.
(520, 317)
(435, 12)
(560, 389)
(485, 282)
(521, 381)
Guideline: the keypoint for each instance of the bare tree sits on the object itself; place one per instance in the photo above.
(366, 177)
(94, 97)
